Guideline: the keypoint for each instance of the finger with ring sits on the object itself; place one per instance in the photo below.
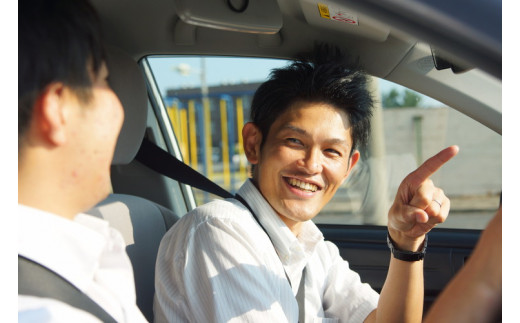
(436, 201)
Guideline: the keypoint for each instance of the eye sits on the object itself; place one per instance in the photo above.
(294, 142)
(333, 152)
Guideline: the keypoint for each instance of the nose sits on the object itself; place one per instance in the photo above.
(311, 162)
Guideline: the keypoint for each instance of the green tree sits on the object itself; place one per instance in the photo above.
(391, 99)
(411, 99)
(396, 99)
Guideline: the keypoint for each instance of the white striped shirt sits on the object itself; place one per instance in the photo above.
(216, 264)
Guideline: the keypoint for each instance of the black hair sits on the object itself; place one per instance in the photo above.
(57, 40)
(324, 76)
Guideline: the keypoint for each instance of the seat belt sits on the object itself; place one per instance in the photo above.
(300, 297)
(37, 280)
(164, 163)
(300, 294)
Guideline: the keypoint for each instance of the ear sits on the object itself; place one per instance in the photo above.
(49, 114)
(252, 139)
(352, 162)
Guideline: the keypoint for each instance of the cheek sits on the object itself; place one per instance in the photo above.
(110, 116)
(281, 156)
(336, 172)
(271, 162)
(119, 114)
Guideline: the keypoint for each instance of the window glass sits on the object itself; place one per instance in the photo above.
(208, 100)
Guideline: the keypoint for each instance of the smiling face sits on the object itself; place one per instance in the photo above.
(303, 161)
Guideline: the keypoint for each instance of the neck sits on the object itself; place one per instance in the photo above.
(294, 226)
(41, 186)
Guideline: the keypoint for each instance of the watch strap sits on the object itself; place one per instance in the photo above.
(404, 254)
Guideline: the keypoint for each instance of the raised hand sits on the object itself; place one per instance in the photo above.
(419, 205)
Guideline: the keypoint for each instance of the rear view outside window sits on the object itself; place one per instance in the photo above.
(208, 101)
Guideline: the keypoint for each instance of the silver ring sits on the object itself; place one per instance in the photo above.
(440, 204)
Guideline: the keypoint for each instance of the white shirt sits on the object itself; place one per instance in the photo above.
(216, 264)
(89, 254)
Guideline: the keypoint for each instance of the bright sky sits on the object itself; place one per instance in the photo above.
(184, 72)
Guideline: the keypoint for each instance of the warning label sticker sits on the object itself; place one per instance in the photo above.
(324, 10)
(337, 13)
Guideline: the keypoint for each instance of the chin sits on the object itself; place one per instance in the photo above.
(103, 191)
(303, 215)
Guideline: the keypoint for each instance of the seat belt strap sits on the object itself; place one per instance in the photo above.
(37, 280)
(300, 298)
(164, 163)
(300, 294)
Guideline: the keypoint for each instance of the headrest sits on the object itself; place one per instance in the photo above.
(127, 81)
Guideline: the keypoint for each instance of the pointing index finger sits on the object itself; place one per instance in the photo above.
(433, 164)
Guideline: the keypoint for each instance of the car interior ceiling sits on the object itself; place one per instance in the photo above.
(406, 61)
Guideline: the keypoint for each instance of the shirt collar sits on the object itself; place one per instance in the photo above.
(290, 249)
(71, 248)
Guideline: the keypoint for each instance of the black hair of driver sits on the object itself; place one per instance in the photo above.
(57, 39)
(325, 77)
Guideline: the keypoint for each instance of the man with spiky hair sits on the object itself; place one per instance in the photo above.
(258, 257)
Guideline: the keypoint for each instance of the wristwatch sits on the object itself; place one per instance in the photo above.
(406, 255)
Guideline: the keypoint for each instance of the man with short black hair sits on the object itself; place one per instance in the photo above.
(258, 257)
(68, 123)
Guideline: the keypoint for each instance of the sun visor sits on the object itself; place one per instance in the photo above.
(236, 15)
(336, 16)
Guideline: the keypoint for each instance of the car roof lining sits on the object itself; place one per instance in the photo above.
(172, 36)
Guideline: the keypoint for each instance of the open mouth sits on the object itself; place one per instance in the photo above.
(302, 185)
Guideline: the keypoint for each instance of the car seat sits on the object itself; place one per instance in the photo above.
(141, 222)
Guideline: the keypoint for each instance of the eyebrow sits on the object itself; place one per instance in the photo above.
(296, 129)
(334, 141)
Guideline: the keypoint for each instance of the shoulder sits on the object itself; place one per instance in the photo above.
(228, 210)
(209, 230)
(217, 215)
(219, 208)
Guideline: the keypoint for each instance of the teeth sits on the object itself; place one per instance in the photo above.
(302, 185)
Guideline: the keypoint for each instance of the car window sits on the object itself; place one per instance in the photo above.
(208, 100)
